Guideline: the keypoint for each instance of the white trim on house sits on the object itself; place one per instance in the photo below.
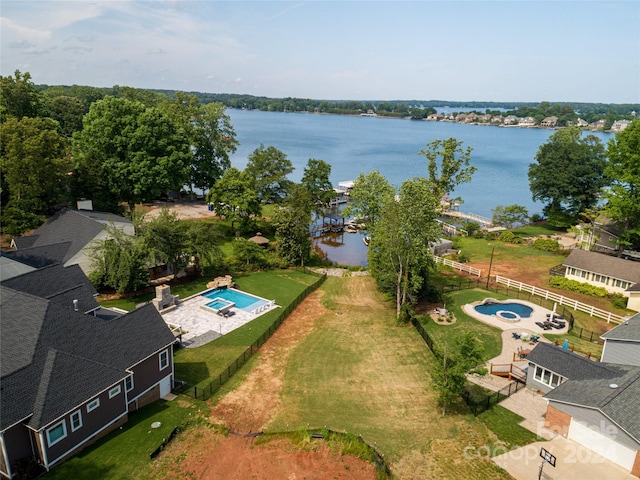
(164, 353)
(5, 455)
(115, 391)
(61, 423)
(90, 405)
(547, 380)
(79, 413)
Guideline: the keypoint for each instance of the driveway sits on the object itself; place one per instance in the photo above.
(573, 462)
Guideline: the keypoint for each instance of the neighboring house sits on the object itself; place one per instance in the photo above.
(620, 125)
(72, 371)
(67, 237)
(616, 275)
(549, 122)
(593, 403)
(622, 343)
(527, 122)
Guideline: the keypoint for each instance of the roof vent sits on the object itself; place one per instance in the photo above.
(613, 385)
(75, 305)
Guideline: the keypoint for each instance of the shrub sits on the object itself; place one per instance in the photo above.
(546, 244)
(579, 287)
(509, 237)
(464, 258)
(471, 227)
(618, 300)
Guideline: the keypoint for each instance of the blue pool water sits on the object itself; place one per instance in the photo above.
(242, 300)
(518, 308)
(217, 304)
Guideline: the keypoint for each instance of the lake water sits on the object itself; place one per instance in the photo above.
(354, 145)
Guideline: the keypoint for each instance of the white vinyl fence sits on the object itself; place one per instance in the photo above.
(561, 299)
(458, 266)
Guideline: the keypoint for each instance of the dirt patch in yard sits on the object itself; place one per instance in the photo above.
(202, 453)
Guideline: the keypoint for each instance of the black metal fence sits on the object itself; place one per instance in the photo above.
(477, 406)
(224, 375)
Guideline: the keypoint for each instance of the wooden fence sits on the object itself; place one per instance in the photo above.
(458, 266)
(560, 299)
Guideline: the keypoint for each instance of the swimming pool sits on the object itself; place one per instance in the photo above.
(219, 304)
(518, 309)
(241, 300)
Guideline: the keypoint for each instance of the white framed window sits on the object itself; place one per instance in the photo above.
(56, 433)
(128, 383)
(547, 377)
(164, 359)
(93, 404)
(621, 284)
(115, 391)
(76, 420)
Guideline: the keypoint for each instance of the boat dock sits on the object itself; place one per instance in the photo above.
(483, 221)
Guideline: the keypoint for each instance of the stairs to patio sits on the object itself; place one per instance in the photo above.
(509, 370)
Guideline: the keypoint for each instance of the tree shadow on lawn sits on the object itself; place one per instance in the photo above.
(192, 372)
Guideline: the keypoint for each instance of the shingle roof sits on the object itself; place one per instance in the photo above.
(628, 330)
(615, 395)
(604, 265)
(79, 227)
(43, 255)
(10, 267)
(568, 364)
(54, 358)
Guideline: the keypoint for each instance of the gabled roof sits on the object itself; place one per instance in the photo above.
(568, 364)
(53, 358)
(615, 395)
(79, 227)
(604, 265)
(629, 330)
(43, 255)
(10, 267)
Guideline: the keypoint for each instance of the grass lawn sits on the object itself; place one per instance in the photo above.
(124, 453)
(197, 366)
(361, 372)
(489, 336)
(504, 423)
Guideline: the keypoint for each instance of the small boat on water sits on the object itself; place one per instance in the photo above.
(350, 228)
(366, 240)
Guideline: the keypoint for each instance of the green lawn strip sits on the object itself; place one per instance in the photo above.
(479, 250)
(505, 424)
(124, 453)
(443, 335)
(539, 229)
(581, 345)
(359, 372)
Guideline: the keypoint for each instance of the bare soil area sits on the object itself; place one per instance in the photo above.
(202, 453)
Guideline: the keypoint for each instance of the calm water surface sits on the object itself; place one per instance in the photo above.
(354, 145)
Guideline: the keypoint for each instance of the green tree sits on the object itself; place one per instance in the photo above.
(128, 152)
(164, 238)
(202, 243)
(623, 196)
(367, 197)
(67, 111)
(567, 175)
(510, 215)
(448, 164)
(234, 197)
(316, 180)
(449, 375)
(34, 163)
(209, 132)
(119, 262)
(269, 167)
(248, 252)
(399, 253)
(292, 222)
(18, 96)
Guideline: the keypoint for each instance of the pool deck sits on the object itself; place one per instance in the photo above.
(203, 326)
(526, 325)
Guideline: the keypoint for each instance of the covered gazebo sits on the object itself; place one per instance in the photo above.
(259, 239)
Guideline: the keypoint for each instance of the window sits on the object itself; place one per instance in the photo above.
(164, 359)
(114, 391)
(547, 377)
(93, 404)
(621, 284)
(76, 420)
(128, 383)
(56, 433)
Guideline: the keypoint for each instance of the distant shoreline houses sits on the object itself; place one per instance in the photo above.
(522, 122)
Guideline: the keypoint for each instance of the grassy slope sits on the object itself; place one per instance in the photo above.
(358, 371)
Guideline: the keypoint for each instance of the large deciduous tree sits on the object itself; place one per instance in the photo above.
(316, 179)
(399, 252)
(234, 197)
(448, 164)
(292, 226)
(623, 195)
(210, 134)
(269, 167)
(568, 175)
(367, 197)
(18, 96)
(127, 152)
(510, 215)
(35, 161)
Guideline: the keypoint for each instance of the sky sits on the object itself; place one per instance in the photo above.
(527, 51)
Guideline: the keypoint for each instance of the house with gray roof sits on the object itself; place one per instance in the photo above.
(622, 343)
(593, 403)
(70, 371)
(67, 237)
(616, 275)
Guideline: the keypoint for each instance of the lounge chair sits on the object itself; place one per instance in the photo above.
(515, 335)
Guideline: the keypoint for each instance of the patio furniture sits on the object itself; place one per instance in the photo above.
(515, 335)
